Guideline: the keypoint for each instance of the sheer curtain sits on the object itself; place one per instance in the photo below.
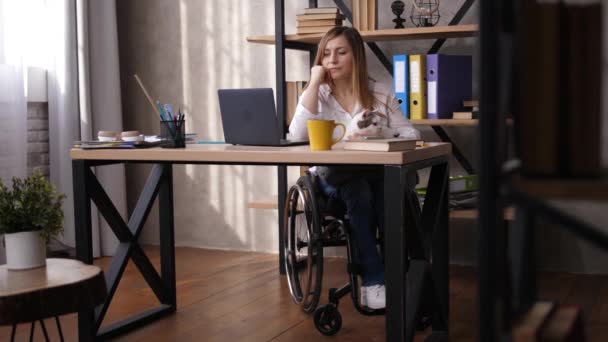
(76, 42)
(84, 97)
(13, 104)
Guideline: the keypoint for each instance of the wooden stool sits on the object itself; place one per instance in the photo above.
(63, 286)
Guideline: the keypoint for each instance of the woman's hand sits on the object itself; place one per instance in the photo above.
(319, 75)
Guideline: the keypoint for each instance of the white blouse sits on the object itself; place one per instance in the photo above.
(329, 109)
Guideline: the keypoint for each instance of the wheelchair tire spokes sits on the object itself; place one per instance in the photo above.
(303, 253)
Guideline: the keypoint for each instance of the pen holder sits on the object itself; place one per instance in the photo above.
(173, 133)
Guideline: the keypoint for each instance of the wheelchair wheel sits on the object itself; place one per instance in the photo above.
(303, 246)
(328, 320)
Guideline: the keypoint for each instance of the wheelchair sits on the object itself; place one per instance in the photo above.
(312, 222)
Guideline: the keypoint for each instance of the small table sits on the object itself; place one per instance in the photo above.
(63, 286)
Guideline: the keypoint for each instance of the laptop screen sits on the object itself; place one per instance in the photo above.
(249, 116)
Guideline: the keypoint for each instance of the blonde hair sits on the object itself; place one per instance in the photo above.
(359, 74)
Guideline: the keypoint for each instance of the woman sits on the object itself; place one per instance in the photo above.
(340, 88)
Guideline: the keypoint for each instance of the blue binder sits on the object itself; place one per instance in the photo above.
(401, 83)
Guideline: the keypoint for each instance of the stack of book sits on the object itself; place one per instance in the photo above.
(471, 111)
(365, 15)
(318, 20)
(294, 90)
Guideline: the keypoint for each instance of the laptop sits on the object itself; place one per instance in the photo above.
(249, 118)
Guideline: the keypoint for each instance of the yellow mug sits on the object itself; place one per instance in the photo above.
(320, 134)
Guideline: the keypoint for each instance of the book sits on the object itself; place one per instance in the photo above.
(464, 183)
(363, 15)
(319, 22)
(449, 82)
(321, 10)
(465, 115)
(372, 15)
(380, 144)
(532, 322)
(314, 29)
(401, 83)
(565, 325)
(356, 9)
(94, 145)
(470, 103)
(580, 117)
(536, 119)
(304, 17)
(418, 109)
(294, 90)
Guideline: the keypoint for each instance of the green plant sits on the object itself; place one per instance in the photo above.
(32, 204)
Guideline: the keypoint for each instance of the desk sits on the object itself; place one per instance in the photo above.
(400, 256)
(63, 286)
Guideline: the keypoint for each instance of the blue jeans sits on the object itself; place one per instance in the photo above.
(364, 199)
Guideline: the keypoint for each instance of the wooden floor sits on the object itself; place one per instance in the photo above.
(239, 296)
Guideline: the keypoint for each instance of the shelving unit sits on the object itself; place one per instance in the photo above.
(507, 269)
(308, 43)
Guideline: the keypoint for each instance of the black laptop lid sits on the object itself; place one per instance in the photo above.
(249, 116)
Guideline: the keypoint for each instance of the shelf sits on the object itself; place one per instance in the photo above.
(417, 33)
(445, 122)
(560, 188)
(469, 214)
(451, 122)
(269, 203)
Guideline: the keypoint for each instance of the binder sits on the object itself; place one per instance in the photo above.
(417, 87)
(401, 82)
(449, 83)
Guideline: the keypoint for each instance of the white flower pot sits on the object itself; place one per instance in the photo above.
(25, 250)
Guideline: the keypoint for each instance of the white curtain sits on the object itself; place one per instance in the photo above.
(13, 104)
(84, 97)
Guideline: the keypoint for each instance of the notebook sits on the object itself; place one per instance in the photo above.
(249, 118)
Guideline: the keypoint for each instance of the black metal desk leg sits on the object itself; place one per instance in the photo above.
(167, 235)
(440, 249)
(282, 176)
(84, 239)
(395, 252)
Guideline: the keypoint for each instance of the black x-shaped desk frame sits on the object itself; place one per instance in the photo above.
(416, 244)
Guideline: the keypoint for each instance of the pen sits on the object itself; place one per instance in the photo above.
(168, 111)
(160, 110)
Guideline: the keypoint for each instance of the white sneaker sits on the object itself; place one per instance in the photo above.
(374, 297)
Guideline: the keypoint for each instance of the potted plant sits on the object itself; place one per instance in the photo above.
(30, 215)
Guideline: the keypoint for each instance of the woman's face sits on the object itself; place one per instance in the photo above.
(338, 58)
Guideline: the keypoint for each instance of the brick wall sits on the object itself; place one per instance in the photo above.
(38, 137)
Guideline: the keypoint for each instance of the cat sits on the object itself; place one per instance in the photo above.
(370, 123)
